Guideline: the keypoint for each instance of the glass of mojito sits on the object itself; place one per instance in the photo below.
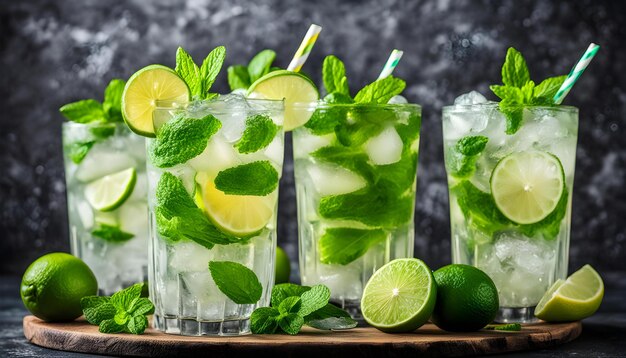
(105, 171)
(510, 169)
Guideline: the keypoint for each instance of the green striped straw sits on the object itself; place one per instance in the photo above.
(305, 48)
(578, 70)
(391, 64)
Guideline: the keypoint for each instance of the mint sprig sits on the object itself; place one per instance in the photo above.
(240, 76)
(334, 76)
(111, 233)
(294, 306)
(124, 312)
(200, 79)
(518, 90)
(91, 110)
(380, 91)
(236, 281)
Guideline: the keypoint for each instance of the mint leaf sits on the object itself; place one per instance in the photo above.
(256, 178)
(238, 77)
(344, 245)
(515, 71)
(289, 305)
(97, 309)
(291, 323)
(338, 98)
(260, 64)
(124, 299)
(236, 281)
(77, 151)
(264, 320)
(333, 323)
(328, 311)
(259, 133)
(188, 71)
(513, 94)
(209, 70)
(545, 91)
(353, 159)
(380, 91)
(334, 76)
(514, 114)
(312, 300)
(112, 104)
(504, 327)
(111, 233)
(110, 326)
(141, 306)
(284, 290)
(181, 139)
(462, 158)
(479, 209)
(85, 111)
(102, 131)
(137, 324)
(324, 120)
(401, 175)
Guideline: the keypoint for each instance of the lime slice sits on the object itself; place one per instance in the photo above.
(400, 296)
(527, 186)
(290, 86)
(240, 215)
(576, 298)
(109, 192)
(144, 88)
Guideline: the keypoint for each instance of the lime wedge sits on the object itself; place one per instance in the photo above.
(527, 186)
(400, 296)
(144, 88)
(291, 86)
(576, 298)
(109, 192)
(240, 215)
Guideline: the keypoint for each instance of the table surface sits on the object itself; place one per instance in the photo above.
(604, 334)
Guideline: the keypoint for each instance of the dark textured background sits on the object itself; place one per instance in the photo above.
(56, 52)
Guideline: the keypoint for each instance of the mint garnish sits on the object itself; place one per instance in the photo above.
(256, 178)
(504, 327)
(294, 306)
(240, 76)
(111, 233)
(236, 281)
(181, 139)
(259, 133)
(334, 77)
(519, 90)
(200, 79)
(125, 311)
(83, 111)
(380, 91)
(112, 105)
(463, 156)
(344, 245)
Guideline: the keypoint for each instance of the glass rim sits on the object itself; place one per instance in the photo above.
(490, 104)
(163, 105)
(321, 104)
(92, 124)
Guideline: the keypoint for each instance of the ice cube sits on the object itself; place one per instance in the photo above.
(385, 148)
(243, 254)
(334, 180)
(398, 99)
(472, 97)
(133, 217)
(344, 282)
(305, 143)
(218, 155)
(140, 191)
(101, 161)
(190, 257)
(85, 213)
(275, 151)
(239, 91)
(233, 125)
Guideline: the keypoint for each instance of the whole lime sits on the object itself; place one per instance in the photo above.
(53, 285)
(283, 270)
(467, 299)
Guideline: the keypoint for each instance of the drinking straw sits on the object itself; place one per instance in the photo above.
(391, 64)
(578, 70)
(305, 48)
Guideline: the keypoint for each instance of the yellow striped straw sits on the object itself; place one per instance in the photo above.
(574, 75)
(391, 64)
(305, 48)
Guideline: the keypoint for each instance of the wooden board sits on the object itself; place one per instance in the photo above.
(427, 341)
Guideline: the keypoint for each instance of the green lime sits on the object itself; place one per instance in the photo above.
(53, 285)
(400, 296)
(283, 269)
(144, 89)
(111, 191)
(576, 298)
(467, 299)
(527, 186)
(291, 86)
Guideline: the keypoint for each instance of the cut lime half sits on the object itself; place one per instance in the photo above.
(527, 186)
(576, 298)
(110, 192)
(291, 86)
(400, 296)
(151, 84)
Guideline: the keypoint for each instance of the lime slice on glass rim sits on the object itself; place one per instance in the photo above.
(573, 299)
(151, 84)
(291, 86)
(400, 296)
(240, 215)
(527, 186)
(110, 192)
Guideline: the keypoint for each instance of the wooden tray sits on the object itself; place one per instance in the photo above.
(427, 341)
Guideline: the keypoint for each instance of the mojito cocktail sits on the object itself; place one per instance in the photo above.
(355, 182)
(511, 173)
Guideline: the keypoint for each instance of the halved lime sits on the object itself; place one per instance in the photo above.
(291, 86)
(144, 88)
(576, 298)
(240, 215)
(400, 296)
(527, 186)
(109, 192)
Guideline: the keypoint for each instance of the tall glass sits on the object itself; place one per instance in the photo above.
(355, 169)
(186, 298)
(522, 258)
(112, 242)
